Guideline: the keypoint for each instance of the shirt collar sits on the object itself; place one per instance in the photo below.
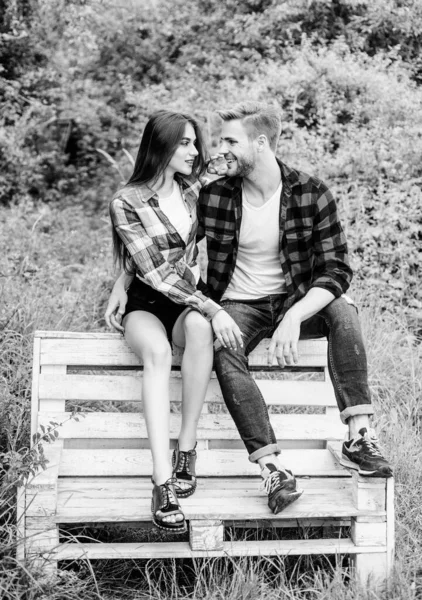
(145, 193)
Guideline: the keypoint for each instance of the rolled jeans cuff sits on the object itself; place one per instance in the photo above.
(264, 451)
(352, 411)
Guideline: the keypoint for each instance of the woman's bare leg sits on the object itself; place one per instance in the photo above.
(194, 332)
(147, 337)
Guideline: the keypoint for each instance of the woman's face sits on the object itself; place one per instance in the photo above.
(184, 156)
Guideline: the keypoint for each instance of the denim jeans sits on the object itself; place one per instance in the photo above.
(347, 366)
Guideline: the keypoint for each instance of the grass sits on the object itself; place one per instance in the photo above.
(56, 269)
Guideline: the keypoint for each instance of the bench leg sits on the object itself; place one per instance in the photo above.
(370, 567)
(206, 535)
(41, 530)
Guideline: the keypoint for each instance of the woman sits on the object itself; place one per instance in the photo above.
(154, 228)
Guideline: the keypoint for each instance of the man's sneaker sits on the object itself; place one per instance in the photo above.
(280, 486)
(364, 455)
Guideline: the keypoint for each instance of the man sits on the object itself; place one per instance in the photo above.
(279, 268)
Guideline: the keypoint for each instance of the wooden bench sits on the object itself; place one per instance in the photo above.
(100, 466)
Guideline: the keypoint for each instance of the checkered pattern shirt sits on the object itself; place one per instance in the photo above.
(312, 244)
(161, 257)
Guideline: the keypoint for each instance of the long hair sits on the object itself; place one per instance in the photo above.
(160, 139)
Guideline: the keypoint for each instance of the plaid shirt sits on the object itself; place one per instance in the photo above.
(312, 244)
(161, 257)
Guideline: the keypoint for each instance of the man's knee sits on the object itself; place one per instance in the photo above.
(342, 311)
(227, 360)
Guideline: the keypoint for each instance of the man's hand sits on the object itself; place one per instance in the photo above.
(226, 330)
(116, 308)
(284, 341)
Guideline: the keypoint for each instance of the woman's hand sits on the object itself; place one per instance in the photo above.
(116, 306)
(226, 330)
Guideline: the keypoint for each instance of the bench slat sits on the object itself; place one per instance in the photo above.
(182, 549)
(129, 388)
(218, 426)
(211, 463)
(115, 352)
(131, 501)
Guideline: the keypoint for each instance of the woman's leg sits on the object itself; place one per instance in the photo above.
(194, 332)
(147, 337)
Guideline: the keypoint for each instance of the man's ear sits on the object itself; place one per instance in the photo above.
(262, 142)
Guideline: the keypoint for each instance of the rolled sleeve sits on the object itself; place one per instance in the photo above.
(331, 270)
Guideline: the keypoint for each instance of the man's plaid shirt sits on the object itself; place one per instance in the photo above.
(161, 257)
(313, 248)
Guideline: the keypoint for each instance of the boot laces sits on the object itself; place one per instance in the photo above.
(371, 444)
(184, 462)
(271, 482)
(167, 492)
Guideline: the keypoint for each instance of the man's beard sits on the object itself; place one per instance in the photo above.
(245, 166)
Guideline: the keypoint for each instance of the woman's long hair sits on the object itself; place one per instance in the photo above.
(160, 139)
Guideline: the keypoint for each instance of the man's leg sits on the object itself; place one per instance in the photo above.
(348, 370)
(246, 404)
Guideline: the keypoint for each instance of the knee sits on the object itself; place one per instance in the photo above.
(158, 355)
(198, 330)
(340, 313)
(227, 360)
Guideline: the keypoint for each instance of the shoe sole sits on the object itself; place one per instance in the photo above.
(345, 462)
(281, 502)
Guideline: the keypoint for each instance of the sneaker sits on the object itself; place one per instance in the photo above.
(280, 486)
(363, 454)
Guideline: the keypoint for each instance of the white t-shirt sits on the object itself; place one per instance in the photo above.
(177, 213)
(258, 271)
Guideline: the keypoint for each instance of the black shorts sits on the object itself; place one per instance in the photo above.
(143, 297)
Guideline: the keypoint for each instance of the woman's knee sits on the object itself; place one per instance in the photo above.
(157, 354)
(197, 329)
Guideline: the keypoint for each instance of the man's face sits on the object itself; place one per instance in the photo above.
(238, 150)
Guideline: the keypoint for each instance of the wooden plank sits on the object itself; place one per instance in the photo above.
(210, 463)
(116, 352)
(129, 388)
(182, 549)
(219, 426)
(124, 487)
(369, 534)
(20, 524)
(54, 403)
(390, 525)
(34, 389)
(47, 478)
(131, 501)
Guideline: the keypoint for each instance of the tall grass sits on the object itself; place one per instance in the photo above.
(56, 270)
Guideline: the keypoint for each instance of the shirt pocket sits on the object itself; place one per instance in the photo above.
(299, 244)
(220, 244)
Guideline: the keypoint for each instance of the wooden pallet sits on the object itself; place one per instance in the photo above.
(99, 467)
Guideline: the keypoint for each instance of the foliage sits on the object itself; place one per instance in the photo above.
(78, 79)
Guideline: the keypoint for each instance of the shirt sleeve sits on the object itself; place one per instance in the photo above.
(174, 281)
(332, 270)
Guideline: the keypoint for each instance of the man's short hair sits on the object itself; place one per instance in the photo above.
(258, 118)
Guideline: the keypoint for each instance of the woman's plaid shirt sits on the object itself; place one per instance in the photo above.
(161, 257)
(312, 244)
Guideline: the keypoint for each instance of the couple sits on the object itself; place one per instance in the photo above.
(278, 267)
